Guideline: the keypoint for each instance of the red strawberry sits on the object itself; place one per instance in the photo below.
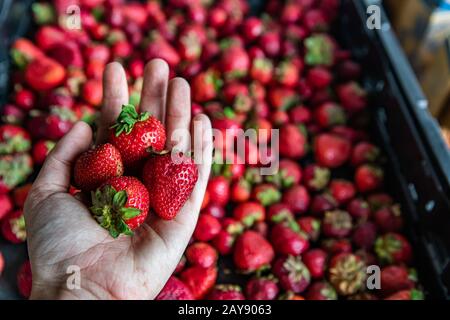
(331, 151)
(92, 92)
(336, 246)
(201, 254)
(287, 239)
(20, 195)
(240, 190)
(288, 73)
(368, 178)
(289, 173)
(359, 209)
(279, 212)
(293, 141)
(270, 42)
(262, 289)
(214, 210)
(13, 227)
(24, 99)
(321, 290)
(98, 52)
(323, 202)
(364, 235)
(315, 20)
(135, 134)
(364, 152)
(24, 279)
(224, 242)
(379, 200)
(319, 77)
(342, 190)
(262, 70)
(67, 53)
(316, 260)
(226, 292)
(315, 177)
(292, 273)
(96, 166)
(249, 213)
(393, 248)
(352, 96)
(347, 273)
(199, 280)
(337, 224)
(12, 114)
(329, 114)
(57, 97)
(282, 98)
(266, 194)
(44, 74)
(218, 189)
(14, 169)
(24, 51)
(389, 219)
(207, 228)
(252, 28)
(413, 294)
(205, 86)
(252, 252)
(6, 205)
(175, 289)
(53, 125)
(300, 114)
(396, 278)
(158, 47)
(310, 226)
(13, 139)
(120, 205)
(235, 63)
(297, 198)
(41, 149)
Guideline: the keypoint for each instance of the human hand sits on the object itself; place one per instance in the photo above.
(62, 233)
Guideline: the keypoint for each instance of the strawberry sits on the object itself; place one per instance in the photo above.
(310, 226)
(24, 279)
(316, 261)
(364, 152)
(41, 149)
(270, 42)
(292, 273)
(342, 190)
(321, 290)
(24, 99)
(67, 53)
(289, 173)
(14, 169)
(315, 177)
(120, 205)
(389, 219)
(175, 289)
(158, 47)
(315, 20)
(252, 28)
(12, 114)
(320, 50)
(393, 248)
(336, 246)
(282, 98)
(396, 278)
(347, 273)
(92, 92)
(364, 235)
(98, 52)
(6, 205)
(297, 198)
(218, 189)
(13, 227)
(214, 210)
(226, 292)
(44, 74)
(53, 125)
(57, 97)
(319, 77)
(249, 213)
(352, 97)
(170, 183)
(368, 178)
(262, 70)
(207, 228)
(13, 139)
(224, 242)
(47, 36)
(96, 166)
(287, 239)
(412, 294)
(300, 114)
(359, 209)
(323, 202)
(293, 141)
(252, 252)
(379, 200)
(279, 212)
(205, 86)
(266, 194)
(201, 254)
(330, 114)
(240, 190)
(287, 73)
(24, 51)
(136, 134)
(262, 288)
(331, 151)
(20, 195)
(199, 280)
(337, 224)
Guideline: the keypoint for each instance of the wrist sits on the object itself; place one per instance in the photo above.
(86, 291)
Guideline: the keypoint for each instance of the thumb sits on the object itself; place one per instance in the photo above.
(55, 174)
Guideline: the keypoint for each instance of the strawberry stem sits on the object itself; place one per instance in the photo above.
(128, 118)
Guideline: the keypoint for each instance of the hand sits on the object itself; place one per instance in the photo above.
(61, 231)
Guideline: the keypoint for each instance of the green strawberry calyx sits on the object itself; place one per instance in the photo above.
(128, 118)
(110, 211)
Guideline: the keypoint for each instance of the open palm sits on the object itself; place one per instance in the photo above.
(61, 231)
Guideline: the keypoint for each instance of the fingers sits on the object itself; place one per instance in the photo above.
(154, 90)
(115, 94)
(55, 173)
(178, 117)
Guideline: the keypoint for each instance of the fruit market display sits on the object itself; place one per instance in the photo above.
(307, 232)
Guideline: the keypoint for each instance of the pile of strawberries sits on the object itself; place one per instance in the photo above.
(307, 232)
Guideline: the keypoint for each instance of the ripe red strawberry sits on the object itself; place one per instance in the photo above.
(359, 209)
(331, 151)
(289, 174)
(14, 169)
(413, 294)
(67, 53)
(158, 47)
(20, 195)
(214, 210)
(44, 74)
(337, 224)
(41, 149)
(336, 246)
(201, 254)
(293, 141)
(364, 235)
(282, 98)
(226, 292)
(342, 190)
(235, 63)
(368, 178)
(23, 51)
(310, 226)
(300, 114)
(120, 205)
(321, 290)
(279, 212)
(13, 227)
(329, 114)
(323, 202)
(316, 261)
(24, 99)
(287, 239)
(352, 97)
(92, 92)
(315, 177)
(270, 42)
(262, 70)
(12, 114)
(364, 152)
(199, 280)
(136, 134)
(297, 198)
(96, 166)
(13, 139)
(252, 28)
(262, 288)
(207, 228)
(319, 77)
(240, 190)
(292, 273)
(175, 289)
(24, 279)
(266, 194)
(288, 73)
(218, 189)
(315, 20)
(252, 251)
(6, 205)
(205, 86)
(224, 242)
(347, 273)
(393, 248)
(396, 278)
(389, 219)
(53, 125)
(248, 213)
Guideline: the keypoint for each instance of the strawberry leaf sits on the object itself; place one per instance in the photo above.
(129, 213)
